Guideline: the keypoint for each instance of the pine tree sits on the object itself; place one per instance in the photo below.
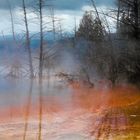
(90, 28)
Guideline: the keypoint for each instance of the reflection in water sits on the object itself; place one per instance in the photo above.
(60, 111)
(27, 111)
(111, 123)
(40, 109)
(111, 111)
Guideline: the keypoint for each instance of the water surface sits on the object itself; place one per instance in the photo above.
(55, 110)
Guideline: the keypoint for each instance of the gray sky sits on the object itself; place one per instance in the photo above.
(67, 10)
(59, 4)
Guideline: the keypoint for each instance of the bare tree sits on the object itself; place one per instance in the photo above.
(12, 21)
(41, 39)
(43, 30)
(53, 21)
(60, 30)
(129, 31)
(118, 13)
(28, 43)
(129, 14)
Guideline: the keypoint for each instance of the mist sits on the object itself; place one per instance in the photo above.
(69, 70)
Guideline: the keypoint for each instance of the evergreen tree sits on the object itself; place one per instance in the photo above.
(90, 28)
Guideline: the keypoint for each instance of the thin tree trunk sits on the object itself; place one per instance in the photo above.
(113, 65)
(53, 22)
(41, 40)
(60, 30)
(75, 28)
(97, 13)
(12, 21)
(28, 40)
(118, 14)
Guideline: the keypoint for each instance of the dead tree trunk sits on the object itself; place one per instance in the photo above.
(60, 30)
(41, 40)
(53, 22)
(118, 14)
(28, 43)
(94, 6)
(12, 21)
